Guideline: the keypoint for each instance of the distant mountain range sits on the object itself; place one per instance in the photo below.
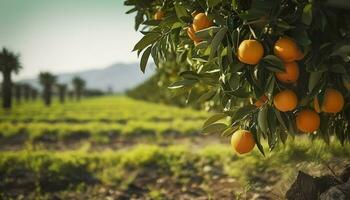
(119, 77)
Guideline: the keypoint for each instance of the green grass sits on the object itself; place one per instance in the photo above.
(98, 119)
(109, 109)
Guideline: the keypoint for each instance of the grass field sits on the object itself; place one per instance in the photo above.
(119, 148)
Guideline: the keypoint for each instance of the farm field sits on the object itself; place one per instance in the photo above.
(119, 148)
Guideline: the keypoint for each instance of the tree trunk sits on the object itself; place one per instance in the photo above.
(326, 187)
(6, 90)
(47, 93)
(62, 96)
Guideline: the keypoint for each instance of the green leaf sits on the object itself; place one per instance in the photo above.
(258, 142)
(307, 14)
(202, 45)
(207, 33)
(338, 68)
(213, 3)
(144, 59)
(214, 118)
(242, 112)
(280, 119)
(262, 119)
(314, 79)
(229, 131)
(147, 40)
(180, 11)
(276, 64)
(217, 41)
(190, 75)
(214, 128)
(182, 83)
(206, 96)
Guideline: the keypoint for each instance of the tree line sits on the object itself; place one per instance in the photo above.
(10, 64)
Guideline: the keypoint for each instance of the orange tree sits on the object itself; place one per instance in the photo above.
(277, 68)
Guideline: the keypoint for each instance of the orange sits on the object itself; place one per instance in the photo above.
(307, 121)
(159, 15)
(242, 141)
(261, 101)
(286, 49)
(333, 102)
(192, 34)
(285, 101)
(201, 21)
(250, 52)
(291, 74)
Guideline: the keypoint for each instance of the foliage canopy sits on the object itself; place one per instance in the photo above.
(315, 35)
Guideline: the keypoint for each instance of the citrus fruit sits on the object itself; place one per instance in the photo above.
(261, 101)
(201, 21)
(333, 102)
(242, 141)
(192, 34)
(291, 74)
(159, 15)
(286, 49)
(250, 52)
(307, 121)
(285, 101)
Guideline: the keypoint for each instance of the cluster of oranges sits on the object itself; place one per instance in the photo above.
(307, 120)
(251, 52)
(200, 22)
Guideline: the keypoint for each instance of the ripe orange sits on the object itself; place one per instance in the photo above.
(307, 121)
(242, 141)
(333, 102)
(201, 21)
(261, 101)
(286, 49)
(159, 15)
(285, 101)
(291, 74)
(250, 52)
(192, 34)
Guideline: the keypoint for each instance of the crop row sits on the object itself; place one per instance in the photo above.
(97, 131)
(111, 109)
(52, 171)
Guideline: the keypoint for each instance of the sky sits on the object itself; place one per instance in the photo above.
(67, 35)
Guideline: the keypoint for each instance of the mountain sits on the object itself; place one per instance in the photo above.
(119, 77)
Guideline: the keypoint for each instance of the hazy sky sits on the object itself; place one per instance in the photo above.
(67, 35)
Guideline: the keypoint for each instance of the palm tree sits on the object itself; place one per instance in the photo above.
(79, 86)
(47, 80)
(9, 62)
(62, 90)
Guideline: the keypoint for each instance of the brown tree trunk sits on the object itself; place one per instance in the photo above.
(47, 93)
